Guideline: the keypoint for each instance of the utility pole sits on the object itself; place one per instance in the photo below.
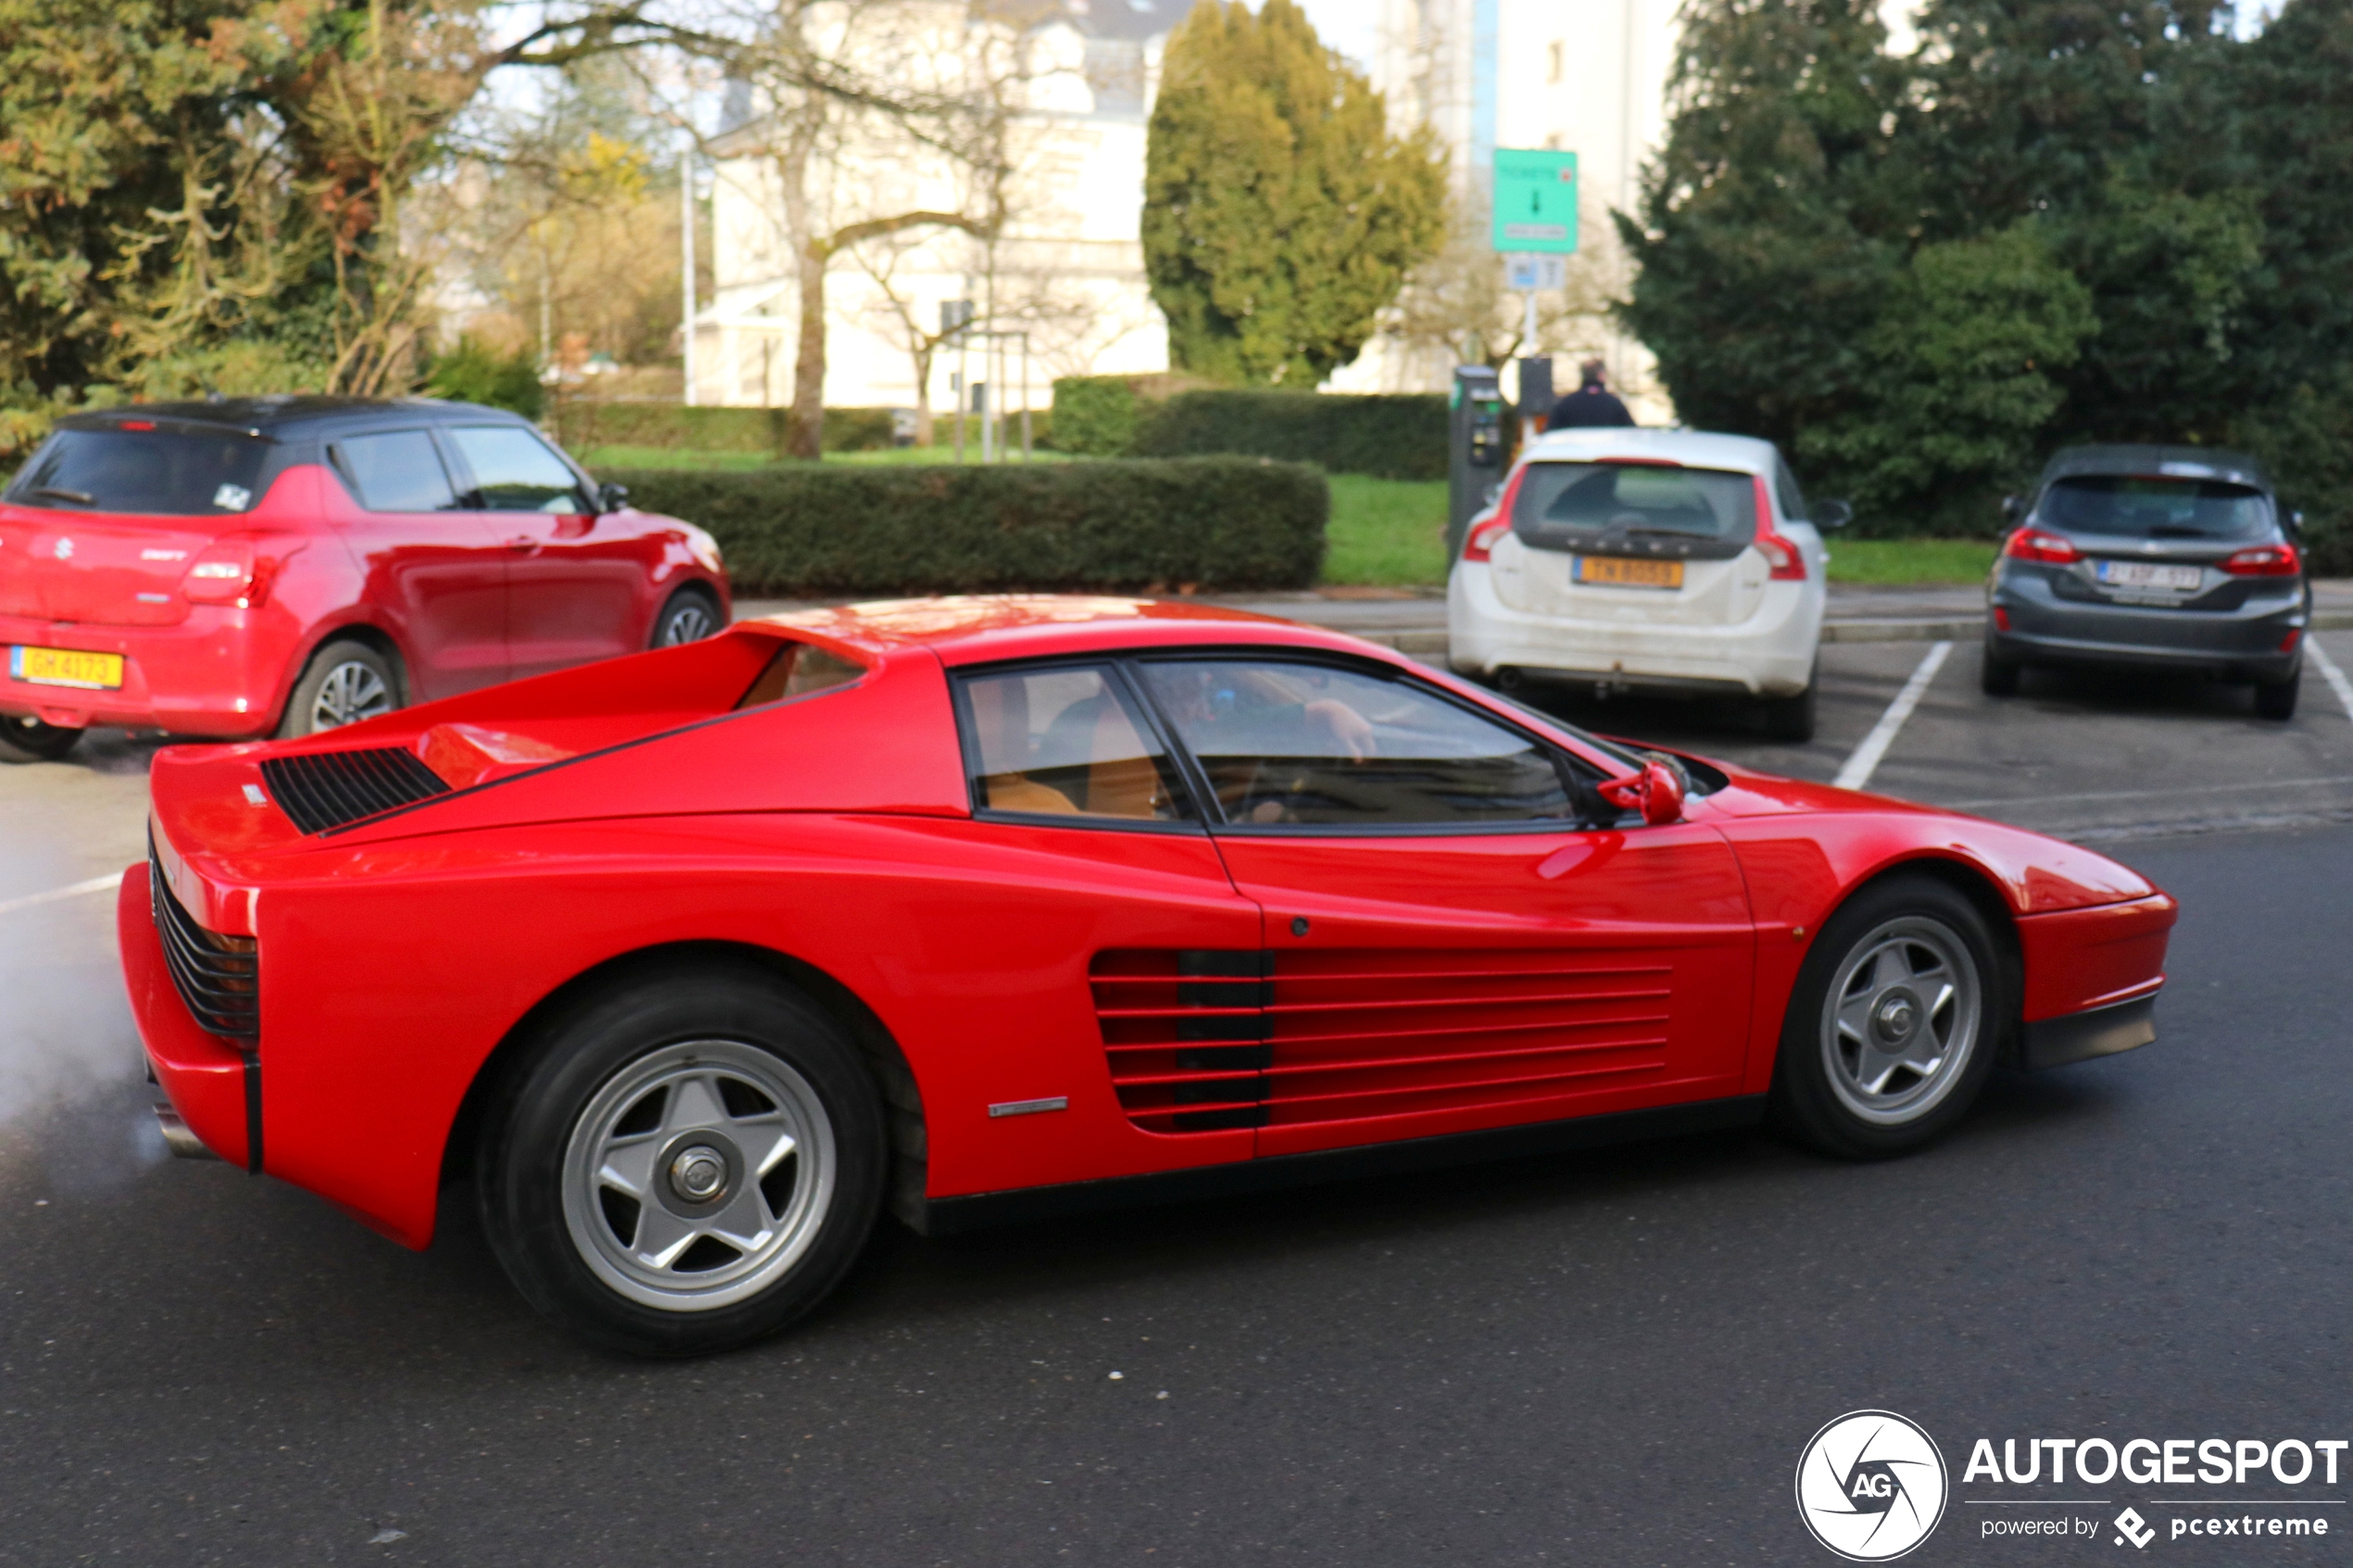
(687, 260)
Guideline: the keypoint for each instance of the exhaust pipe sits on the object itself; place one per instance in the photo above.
(183, 1143)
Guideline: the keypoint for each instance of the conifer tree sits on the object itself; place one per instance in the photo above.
(1280, 215)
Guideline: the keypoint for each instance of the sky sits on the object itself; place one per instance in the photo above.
(1347, 25)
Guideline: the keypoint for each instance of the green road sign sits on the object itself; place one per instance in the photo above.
(1535, 201)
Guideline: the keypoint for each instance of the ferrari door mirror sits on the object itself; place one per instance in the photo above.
(1829, 515)
(1655, 792)
(611, 498)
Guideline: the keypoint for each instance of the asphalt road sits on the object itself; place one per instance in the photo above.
(1606, 1359)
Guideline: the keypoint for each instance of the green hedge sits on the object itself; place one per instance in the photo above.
(1386, 436)
(582, 425)
(1207, 523)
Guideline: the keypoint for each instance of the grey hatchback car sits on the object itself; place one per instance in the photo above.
(2161, 557)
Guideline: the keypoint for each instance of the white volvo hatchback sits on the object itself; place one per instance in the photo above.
(1659, 560)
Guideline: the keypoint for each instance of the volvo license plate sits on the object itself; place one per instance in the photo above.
(2148, 574)
(66, 666)
(1620, 571)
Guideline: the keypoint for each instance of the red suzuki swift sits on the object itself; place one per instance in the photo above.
(237, 569)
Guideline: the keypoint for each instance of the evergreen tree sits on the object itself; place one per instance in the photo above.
(1280, 216)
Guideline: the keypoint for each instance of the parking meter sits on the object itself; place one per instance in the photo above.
(1475, 453)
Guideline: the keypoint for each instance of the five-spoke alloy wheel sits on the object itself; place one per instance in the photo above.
(1890, 1030)
(681, 1160)
(345, 683)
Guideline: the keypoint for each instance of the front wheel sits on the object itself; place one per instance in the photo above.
(685, 1165)
(691, 615)
(24, 738)
(1892, 1026)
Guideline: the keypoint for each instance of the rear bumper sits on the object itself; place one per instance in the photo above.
(2243, 643)
(216, 675)
(214, 1086)
(1770, 654)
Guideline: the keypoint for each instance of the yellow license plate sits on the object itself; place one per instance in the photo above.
(1619, 572)
(66, 666)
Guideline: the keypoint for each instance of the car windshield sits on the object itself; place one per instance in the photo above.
(2155, 508)
(160, 472)
(1558, 502)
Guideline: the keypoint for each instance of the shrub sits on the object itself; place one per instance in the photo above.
(1399, 436)
(1212, 523)
(1094, 416)
(474, 373)
(585, 423)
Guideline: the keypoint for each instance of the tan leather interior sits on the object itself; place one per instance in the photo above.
(1013, 792)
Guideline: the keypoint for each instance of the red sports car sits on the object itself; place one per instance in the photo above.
(285, 565)
(988, 909)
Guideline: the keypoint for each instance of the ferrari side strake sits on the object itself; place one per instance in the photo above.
(982, 910)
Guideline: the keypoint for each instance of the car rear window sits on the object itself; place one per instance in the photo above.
(2155, 508)
(1564, 505)
(158, 473)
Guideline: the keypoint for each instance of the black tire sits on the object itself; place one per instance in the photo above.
(1998, 676)
(2276, 699)
(1831, 1109)
(1792, 717)
(558, 1115)
(687, 616)
(344, 677)
(24, 738)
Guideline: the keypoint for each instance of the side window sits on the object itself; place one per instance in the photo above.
(797, 670)
(1786, 495)
(515, 473)
(1065, 743)
(1285, 743)
(398, 472)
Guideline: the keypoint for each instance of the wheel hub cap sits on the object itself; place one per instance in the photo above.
(698, 1175)
(1895, 1018)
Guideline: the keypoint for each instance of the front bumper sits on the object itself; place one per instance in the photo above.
(2246, 643)
(2097, 1032)
(212, 676)
(1770, 654)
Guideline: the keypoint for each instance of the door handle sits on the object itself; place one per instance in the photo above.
(523, 544)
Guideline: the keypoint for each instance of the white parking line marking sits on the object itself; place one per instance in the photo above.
(1865, 763)
(57, 895)
(2333, 675)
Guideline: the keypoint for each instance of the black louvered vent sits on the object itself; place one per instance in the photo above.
(218, 976)
(325, 789)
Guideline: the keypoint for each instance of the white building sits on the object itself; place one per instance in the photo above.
(1067, 270)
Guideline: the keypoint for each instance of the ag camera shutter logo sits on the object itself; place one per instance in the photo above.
(1871, 1486)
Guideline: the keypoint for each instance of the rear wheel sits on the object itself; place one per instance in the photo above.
(1996, 675)
(24, 738)
(345, 683)
(2276, 699)
(1792, 717)
(1892, 1026)
(685, 1165)
(691, 615)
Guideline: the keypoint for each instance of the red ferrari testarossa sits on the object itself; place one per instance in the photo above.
(989, 909)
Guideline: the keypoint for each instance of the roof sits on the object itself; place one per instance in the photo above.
(1694, 448)
(965, 629)
(266, 416)
(2155, 462)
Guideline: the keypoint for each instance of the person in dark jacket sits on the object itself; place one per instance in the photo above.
(1591, 404)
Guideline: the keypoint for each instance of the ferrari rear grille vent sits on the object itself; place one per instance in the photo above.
(218, 976)
(1199, 1041)
(325, 789)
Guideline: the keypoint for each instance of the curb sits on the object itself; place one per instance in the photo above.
(1433, 642)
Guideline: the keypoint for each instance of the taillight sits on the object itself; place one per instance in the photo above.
(2032, 544)
(2265, 560)
(1779, 551)
(1481, 542)
(230, 571)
